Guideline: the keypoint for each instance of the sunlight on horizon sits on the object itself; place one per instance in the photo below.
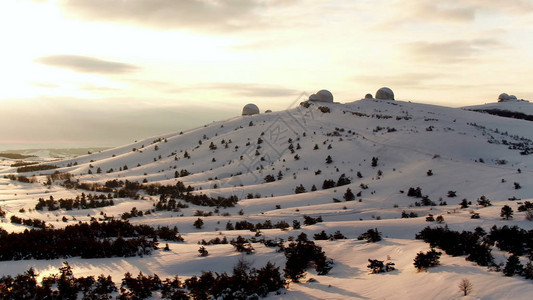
(229, 55)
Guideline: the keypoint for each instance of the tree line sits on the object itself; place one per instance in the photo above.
(94, 240)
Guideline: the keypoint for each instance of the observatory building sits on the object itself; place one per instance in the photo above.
(385, 93)
(250, 109)
(504, 97)
(322, 96)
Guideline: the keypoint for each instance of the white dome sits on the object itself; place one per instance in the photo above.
(322, 96)
(385, 93)
(503, 97)
(250, 109)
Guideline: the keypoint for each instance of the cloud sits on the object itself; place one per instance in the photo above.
(85, 64)
(250, 89)
(517, 7)
(69, 122)
(450, 51)
(45, 85)
(96, 88)
(204, 15)
(262, 45)
(448, 11)
(405, 80)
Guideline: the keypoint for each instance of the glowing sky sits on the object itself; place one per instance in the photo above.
(103, 73)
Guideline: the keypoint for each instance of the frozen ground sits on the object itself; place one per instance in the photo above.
(467, 152)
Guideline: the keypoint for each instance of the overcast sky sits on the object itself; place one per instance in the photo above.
(104, 73)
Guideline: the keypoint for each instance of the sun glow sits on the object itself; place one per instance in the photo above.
(169, 55)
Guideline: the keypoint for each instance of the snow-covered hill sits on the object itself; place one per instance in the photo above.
(378, 149)
(519, 109)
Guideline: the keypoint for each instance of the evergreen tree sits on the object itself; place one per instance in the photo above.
(229, 226)
(199, 223)
(270, 178)
(506, 212)
(299, 189)
(203, 251)
(343, 180)
(464, 203)
(426, 260)
(270, 277)
(66, 282)
(371, 236)
(528, 270)
(375, 266)
(348, 195)
(328, 183)
(513, 266)
(296, 224)
(483, 201)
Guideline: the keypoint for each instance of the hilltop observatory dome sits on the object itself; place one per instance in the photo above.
(385, 93)
(369, 96)
(504, 97)
(322, 96)
(250, 109)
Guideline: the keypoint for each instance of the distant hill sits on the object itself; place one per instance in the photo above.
(50, 152)
(517, 109)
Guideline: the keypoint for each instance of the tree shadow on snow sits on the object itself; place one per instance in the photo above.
(331, 289)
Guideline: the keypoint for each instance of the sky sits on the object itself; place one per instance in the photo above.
(79, 73)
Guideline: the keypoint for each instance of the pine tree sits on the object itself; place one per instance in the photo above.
(483, 201)
(528, 270)
(426, 260)
(296, 224)
(371, 236)
(299, 189)
(374, 161)
(513, 266)
(198, 223)
(203, 251)
(66, 282)
(376, 266)
(348, 195)
(506, 212)
(464, 203)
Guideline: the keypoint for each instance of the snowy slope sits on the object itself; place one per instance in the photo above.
(521, 108)
(467, 152)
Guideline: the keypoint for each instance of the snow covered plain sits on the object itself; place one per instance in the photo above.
(467, 152)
